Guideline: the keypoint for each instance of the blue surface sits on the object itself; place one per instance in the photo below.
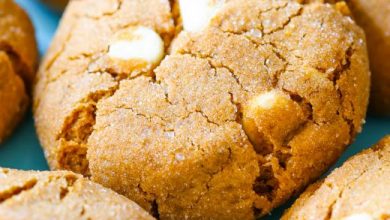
(23, 151)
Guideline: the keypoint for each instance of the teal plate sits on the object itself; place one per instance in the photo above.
(23, 151)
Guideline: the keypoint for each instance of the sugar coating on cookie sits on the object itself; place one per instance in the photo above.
(61, 195)
(229, 124)
(18, 59)
(374, 18)
(358, 190)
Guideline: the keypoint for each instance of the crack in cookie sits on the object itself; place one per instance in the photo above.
(228, 118)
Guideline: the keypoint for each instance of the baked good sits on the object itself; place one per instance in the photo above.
(358, 190)
(374, 18)
(18, 57)
(60, 195)
(254, 100)
(56, 4)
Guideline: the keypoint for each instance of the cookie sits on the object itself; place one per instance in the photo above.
(18, 56)
(60, 195)
(359, 189)
(56, 4)
(374, 18)
(225, 119)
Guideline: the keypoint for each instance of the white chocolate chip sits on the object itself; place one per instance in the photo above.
(266, 100)
(196, 14)
(361, 216)
(3, 175)
(269, 117)
(139, 44)
(179, 157)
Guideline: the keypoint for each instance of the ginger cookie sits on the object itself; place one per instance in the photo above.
(374, 18)
(216, 110)
(358, 190)
(18, 58)
(61, 195)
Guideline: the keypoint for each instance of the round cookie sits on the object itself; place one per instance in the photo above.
(18, 57)
(250, 104)
(358, 190)
(56, 4)
(61, 195)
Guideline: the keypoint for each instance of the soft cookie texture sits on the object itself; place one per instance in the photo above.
(374, 18)
(61, 195)
(358, 190)
(237, 113)
(18, 57)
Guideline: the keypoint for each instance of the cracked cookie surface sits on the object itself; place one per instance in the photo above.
(18, 57)
(61, 195)
(374, 18)
(359, 189)
(238, 116)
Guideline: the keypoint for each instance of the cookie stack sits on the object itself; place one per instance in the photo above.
(211, 109)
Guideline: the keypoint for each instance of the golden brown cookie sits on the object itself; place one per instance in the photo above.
(228, 119)
(56, 4)
(18, 58)
(60, 195)
(358, 190)
(374, 18)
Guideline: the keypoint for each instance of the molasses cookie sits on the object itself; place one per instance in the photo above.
(227, 118)
(60, 195)
(374, 18)
(358, 190)
(18, 57)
